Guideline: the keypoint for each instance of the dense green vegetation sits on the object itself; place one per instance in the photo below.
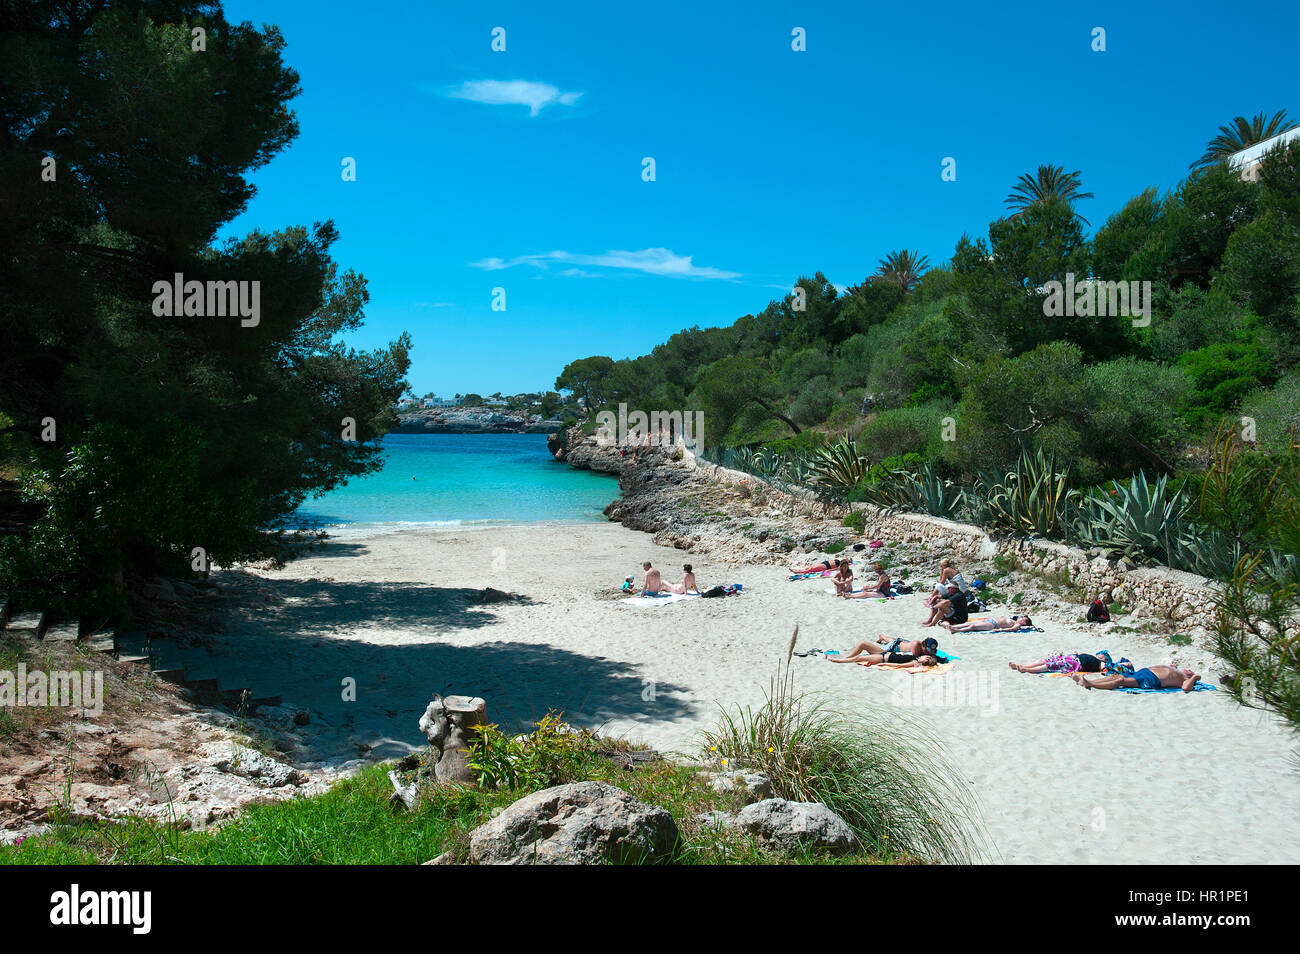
(131, 441)
(890, 358)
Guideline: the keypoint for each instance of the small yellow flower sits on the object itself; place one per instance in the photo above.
(771, 748)
(724, 761)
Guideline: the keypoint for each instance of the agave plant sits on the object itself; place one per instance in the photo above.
(1138, 519)
(839, 467)
(1034, 499)
(935, 495)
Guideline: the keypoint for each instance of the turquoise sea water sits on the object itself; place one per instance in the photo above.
(463, 479)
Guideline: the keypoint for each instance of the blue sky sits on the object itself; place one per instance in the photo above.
(770, 163)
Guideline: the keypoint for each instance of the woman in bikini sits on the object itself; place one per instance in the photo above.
(687, 585)
(820, 567)
(881, 588)
(990, 624)
(844, 579)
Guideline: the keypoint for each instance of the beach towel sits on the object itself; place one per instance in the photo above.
(810, 576)
(1196, 688)
(879, 599)
(661, 599)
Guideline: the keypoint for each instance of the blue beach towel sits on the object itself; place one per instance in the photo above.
(1196, 688)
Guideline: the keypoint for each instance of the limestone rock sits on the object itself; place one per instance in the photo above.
(754, 786)
(576, 824)
(787, 826)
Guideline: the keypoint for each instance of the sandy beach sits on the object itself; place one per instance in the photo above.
(1061, 775)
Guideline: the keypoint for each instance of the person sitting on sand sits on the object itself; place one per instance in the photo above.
(923, 651)
(844, 579)
(945, 586)
(1157, 677)
(1068, 663)
(653, 582)
(688, 582)
(629, 583)
(820, 567)
(950, 610)
(881, 589)
(990, 624)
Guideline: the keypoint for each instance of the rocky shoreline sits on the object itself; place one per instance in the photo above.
(459, 420)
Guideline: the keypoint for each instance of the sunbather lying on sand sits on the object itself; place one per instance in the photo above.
(989, 624)
(1157, 677)
(881, 588)
(687, 585)
(1068, 662)
(820, 567)
(923, 651)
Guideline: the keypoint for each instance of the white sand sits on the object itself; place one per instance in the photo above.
(1062, 775)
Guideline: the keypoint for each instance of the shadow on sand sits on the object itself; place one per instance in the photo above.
(325, 632)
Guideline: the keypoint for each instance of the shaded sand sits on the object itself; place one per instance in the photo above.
(1063, 775)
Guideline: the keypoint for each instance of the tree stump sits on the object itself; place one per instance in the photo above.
(450, 725)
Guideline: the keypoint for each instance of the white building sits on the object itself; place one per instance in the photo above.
(1251, 158)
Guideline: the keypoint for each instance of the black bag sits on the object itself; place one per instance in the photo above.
(715, 591)
(1098, 612)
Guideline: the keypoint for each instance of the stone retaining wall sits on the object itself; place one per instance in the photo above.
(1154, 591)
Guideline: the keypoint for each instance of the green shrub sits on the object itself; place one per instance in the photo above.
(549, 755)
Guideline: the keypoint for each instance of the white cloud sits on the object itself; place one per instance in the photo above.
(651, 261)
(536, 96)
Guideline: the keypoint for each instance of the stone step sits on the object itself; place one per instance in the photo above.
(174, 676)
(101, 642)
(265, 701)
(132, 659)
(201, 683)
(66, 632)
(26, 625)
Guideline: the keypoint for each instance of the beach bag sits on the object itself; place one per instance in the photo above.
(717, 591)
(901, 587)
(1098, 612)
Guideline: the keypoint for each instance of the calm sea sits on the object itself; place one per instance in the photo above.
(462, 479)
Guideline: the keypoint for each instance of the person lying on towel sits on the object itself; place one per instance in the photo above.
(923, 651)
(990, 624)
(1068, 663)
(821, 566)
(1157, 677)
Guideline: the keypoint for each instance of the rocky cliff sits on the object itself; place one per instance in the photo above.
(472, 420)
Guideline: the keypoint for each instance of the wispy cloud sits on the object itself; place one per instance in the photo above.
(651, 261)
(536, 96)
(434, 304)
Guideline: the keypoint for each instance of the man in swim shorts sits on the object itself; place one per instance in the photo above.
(1157, 677)
(653, 582)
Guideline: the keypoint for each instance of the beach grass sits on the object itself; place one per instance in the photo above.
(354, 824)
(889, 782)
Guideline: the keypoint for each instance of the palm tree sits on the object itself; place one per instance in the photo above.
(1240, 134)
(1049, 184)
(903, 268)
